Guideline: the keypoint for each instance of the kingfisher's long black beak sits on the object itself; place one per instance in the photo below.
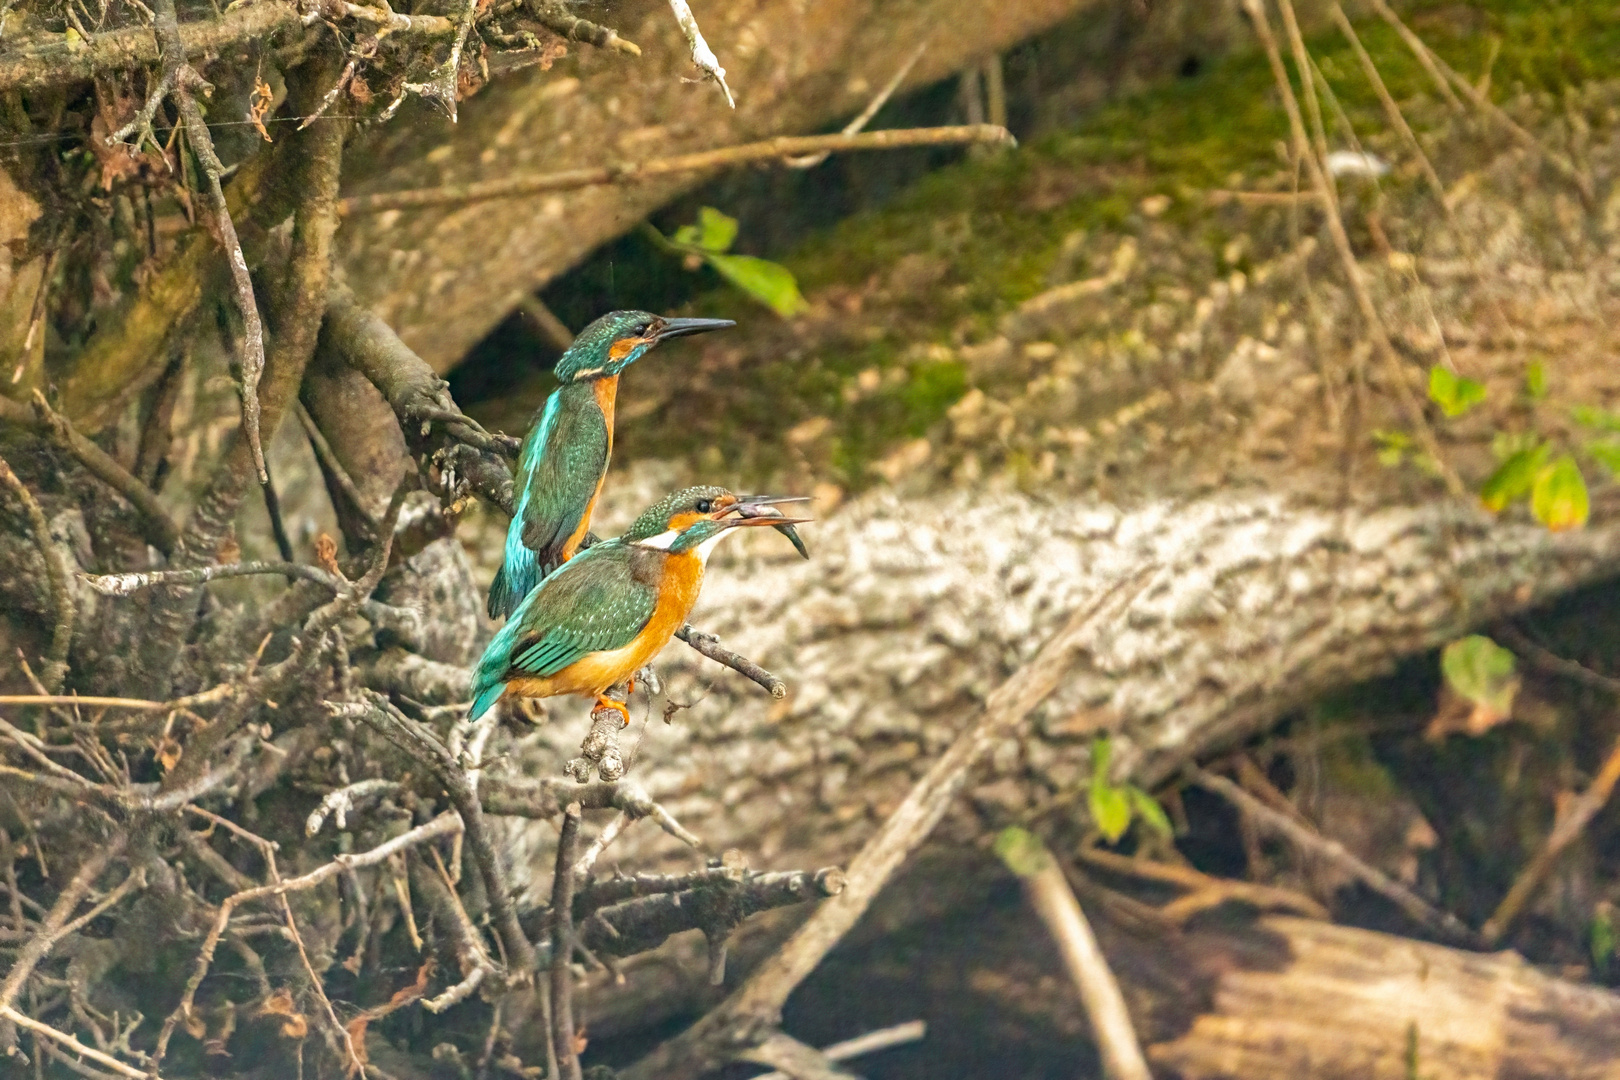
(761, 509)
(674, 328)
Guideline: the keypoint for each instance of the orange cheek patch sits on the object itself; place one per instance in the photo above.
(624, 347)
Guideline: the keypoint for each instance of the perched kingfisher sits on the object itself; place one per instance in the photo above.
(564, 457)
(600, 617)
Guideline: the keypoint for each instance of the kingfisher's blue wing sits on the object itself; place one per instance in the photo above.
(560, 467)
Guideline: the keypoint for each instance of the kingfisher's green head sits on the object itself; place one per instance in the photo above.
(620, 338)
(668, 523)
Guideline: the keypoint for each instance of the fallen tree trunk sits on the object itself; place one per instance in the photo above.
(1335, 1002)
(1245, 606)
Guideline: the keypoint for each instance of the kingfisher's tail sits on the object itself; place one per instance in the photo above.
(503, 599)
(484, 700)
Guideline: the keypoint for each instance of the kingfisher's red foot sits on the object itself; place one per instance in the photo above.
(630, 687)
(609, 703)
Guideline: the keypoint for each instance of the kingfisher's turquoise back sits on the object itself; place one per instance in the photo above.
(563, 459)
(599, 601)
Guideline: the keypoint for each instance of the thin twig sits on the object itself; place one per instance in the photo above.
(1408, 403)
(422, 743)
(609, 833)
(1446, 77)
(870, 1043)
(441, 83)
(562, 945)
(710, 646)
(748, 1015)
(1054, 901)
(337, 804)
(77, 1047)
(857, 125)
(1572, 820)
(56, 574)
(702, 55)
(1202, 885)
(629, 172)
(54, 926)
(156, 526)
(180, 79)
(794, 1058)
(1392, 111)
(333, 468)
(1547, 660)
(443, 825)
(1442, 923)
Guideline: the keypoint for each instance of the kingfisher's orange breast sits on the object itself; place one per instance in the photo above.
(678, 589)
(607, 394)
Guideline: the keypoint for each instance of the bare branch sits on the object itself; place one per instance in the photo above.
(338, 803)
(1573, 817)
(857, 125)
(631, 172)
(1442, 923)
(560, 21)
(155, 523)
(562, 946)
(56, 61)
(1054, 901)
(870, 1043)
(709, 645)
(702, 55)
(795, 1059)
(421, 743)
(56, 574)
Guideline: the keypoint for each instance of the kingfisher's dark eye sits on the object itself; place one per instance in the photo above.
(704, 506)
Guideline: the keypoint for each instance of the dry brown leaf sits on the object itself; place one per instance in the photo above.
(195, 1027)
(326, 554)
(402, 997)
(259, 105)
(168, 753)
(280, 1003)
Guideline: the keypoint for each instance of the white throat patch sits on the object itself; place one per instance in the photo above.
(660, 542)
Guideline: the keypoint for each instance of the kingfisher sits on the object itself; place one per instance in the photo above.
(601, 616)
(564, 457)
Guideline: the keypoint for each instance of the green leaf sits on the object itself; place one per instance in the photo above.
(1607, 454)
(1559, 498)
(1604, 940)
(1022, 851)
(1504, 444)
(1148, 809)
(1454, 394)
(686, 236)
(1481, 671)
(1392, 447)
(770, 283)
(1535, 380)
(1602, 419)
(1514, 478)
(1102, 756)
(716, 231)
(1110, 810)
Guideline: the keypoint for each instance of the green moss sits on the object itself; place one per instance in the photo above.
(998, 224)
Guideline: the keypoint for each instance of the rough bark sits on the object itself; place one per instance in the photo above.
(443, 278)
